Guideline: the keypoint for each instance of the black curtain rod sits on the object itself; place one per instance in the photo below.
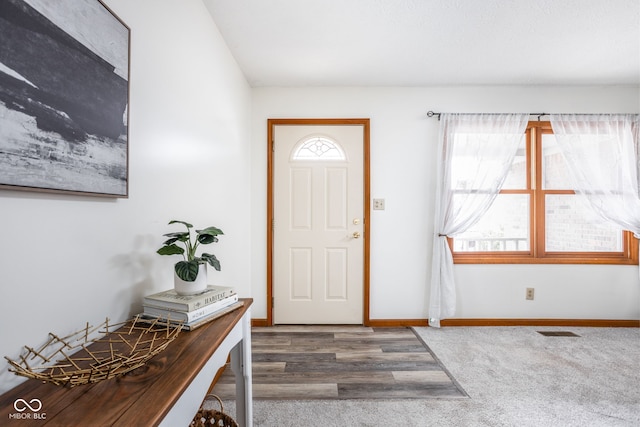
(432, 114)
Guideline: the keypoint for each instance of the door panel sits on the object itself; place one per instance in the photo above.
(301, 193)
(300, 274)
(336, 186)
(318, 205)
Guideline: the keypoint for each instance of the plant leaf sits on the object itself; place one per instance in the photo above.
(170, 241)
(205, 239)
(187, 270)
(211, 230)
(212, 260)
(208, 235)
(186, 224)
(170, 250)
(183, 236)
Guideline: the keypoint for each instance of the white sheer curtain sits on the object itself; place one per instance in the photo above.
(603, 155)
(475, 153)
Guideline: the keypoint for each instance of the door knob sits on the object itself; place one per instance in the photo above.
(356, 234)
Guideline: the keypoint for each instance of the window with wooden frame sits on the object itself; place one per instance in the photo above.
(537, 218)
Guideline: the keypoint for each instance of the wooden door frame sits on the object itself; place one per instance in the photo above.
(271, 123)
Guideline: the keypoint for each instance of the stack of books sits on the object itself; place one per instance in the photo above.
(191, 311)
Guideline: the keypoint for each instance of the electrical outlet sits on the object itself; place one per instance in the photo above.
(378, 204)
(530, 293)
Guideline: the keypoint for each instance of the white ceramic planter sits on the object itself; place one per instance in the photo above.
(191, 288)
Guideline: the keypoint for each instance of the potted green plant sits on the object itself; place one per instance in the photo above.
(191, 274)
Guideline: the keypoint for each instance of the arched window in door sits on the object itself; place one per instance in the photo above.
(318, 148)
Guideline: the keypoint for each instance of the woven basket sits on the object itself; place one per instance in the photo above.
(212, 417)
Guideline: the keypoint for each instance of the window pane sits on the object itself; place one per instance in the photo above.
(517, 177)
(319, 148)
(505, 227)
(555, 173)
(570, 227)
(470, 171)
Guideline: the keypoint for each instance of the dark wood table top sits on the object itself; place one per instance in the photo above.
(140, 398)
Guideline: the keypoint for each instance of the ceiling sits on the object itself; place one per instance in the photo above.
(432, 42)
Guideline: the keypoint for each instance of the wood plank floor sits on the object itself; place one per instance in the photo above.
(341, 362)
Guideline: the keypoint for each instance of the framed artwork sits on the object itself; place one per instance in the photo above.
(64, 97)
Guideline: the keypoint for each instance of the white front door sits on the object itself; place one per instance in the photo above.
(318, 207)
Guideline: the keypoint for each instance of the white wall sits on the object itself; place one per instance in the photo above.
(403, 144)
(67, 259)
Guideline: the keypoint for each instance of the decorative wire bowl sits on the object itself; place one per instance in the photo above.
(94, 354)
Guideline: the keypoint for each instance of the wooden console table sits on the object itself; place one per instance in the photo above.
(167, 391)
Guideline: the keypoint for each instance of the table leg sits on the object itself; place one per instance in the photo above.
(241, 366)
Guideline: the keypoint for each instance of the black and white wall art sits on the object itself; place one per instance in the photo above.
(64, 95)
